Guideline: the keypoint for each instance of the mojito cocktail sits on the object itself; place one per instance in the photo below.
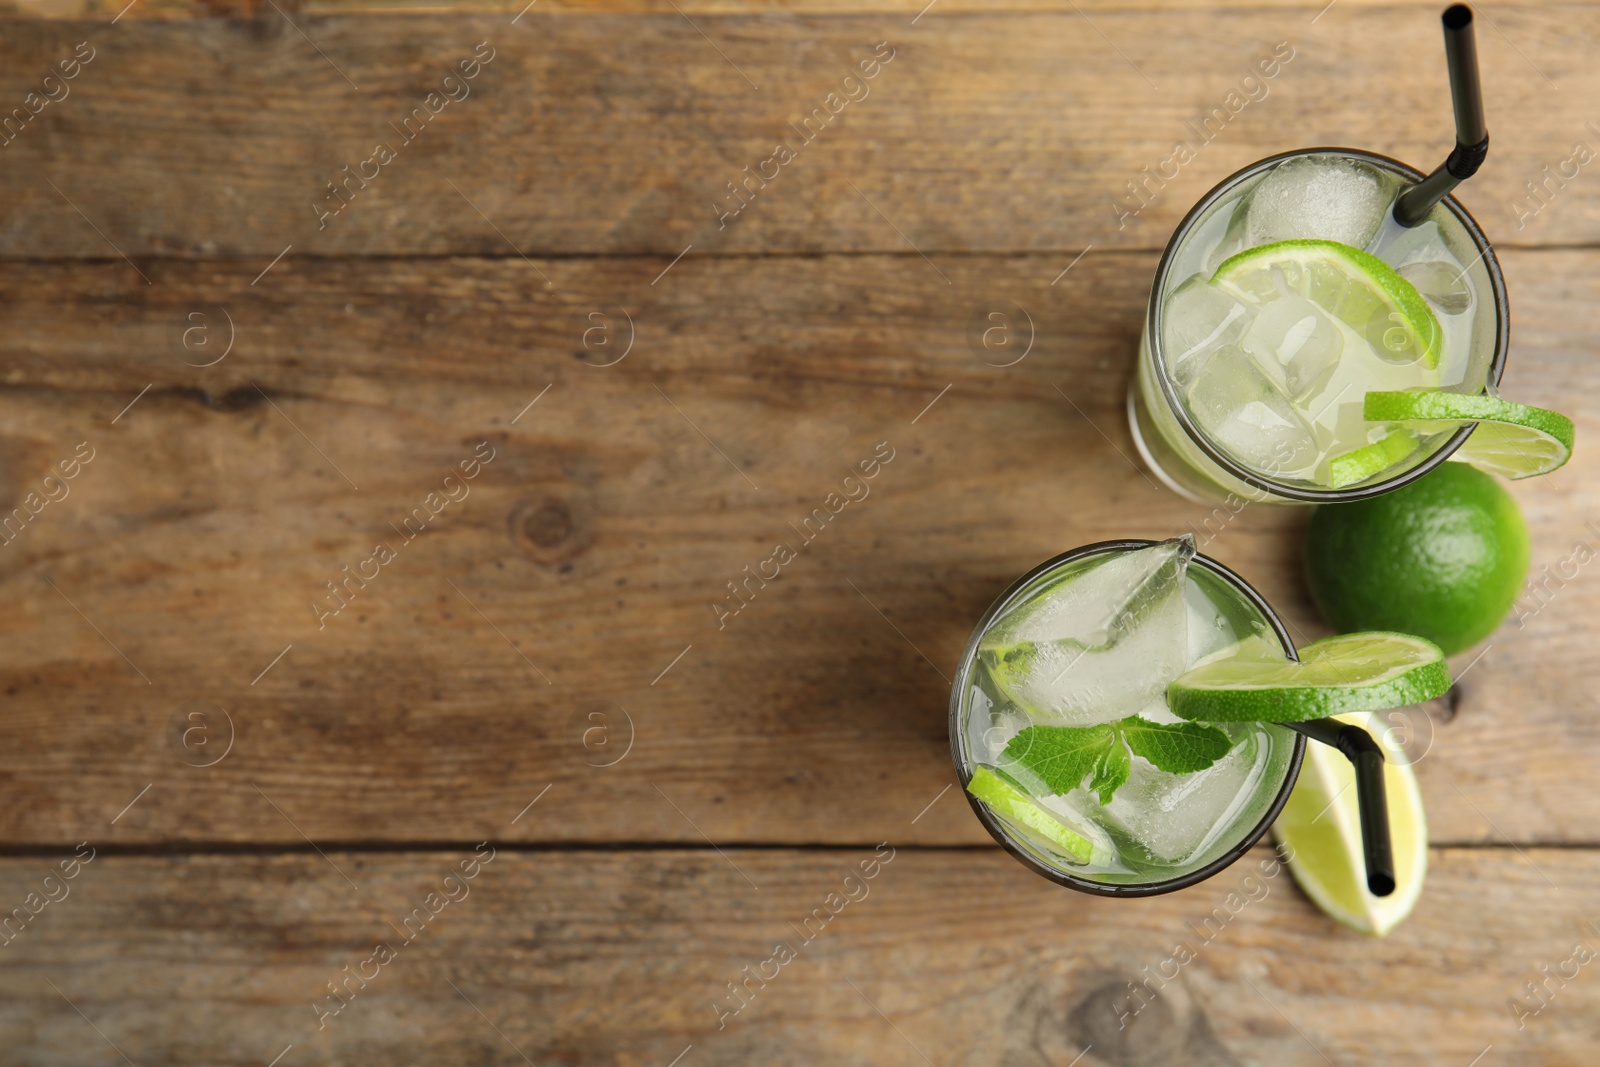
(1287, 295)
(1064, 682)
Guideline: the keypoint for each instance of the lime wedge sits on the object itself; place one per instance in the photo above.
(1335, 676)
(1513, 440)
(1006, 800)
(1320, 829)
(1368, 460)
(1357, 288)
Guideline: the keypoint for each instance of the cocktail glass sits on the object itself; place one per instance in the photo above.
(1233, 429)
(1160, 832)
(1308, 281)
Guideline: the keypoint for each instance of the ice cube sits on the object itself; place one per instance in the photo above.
(980, 718)
(1176, 817)
(1068, 683)
(1198, 318)
(1296, 344)
(1413, 245)
(1328, 198)
(1233, 236)
(1084, 605)
(1350, 428)
(1422, 258)
(1208, 630)
(1247, 413)
(993, 718)
(1443, 284)
(1102, 645)
(1157, 710)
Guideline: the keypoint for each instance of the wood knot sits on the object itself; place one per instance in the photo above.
(550, 530)
(1144, 1022)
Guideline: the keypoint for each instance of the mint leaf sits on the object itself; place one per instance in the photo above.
(1179, 748)
(1063, 756)
(1112, 770)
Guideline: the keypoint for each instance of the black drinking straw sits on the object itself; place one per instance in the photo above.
(1472, 135)
(1367, 758)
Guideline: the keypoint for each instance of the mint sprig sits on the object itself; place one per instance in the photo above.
(1064, 756)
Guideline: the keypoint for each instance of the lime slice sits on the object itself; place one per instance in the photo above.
(1257, 646)
(1514, 440)
(1357, 288)
(1006, 800)
(1320, 829)
(1368, 460)
(1335, 676)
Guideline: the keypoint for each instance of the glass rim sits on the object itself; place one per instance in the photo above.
(996, 831)
(1262, 482)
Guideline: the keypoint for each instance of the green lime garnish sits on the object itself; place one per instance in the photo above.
(1335, 676)
(1353, 286)
(1007, 800)
(1513, 440)
(1369, 460)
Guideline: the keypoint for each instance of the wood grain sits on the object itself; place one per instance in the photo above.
(620, 958)
(188, 9)
(538, 291)
(509, 647)
(619, 134)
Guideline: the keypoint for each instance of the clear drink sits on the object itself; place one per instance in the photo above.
(1093, 637)
(1257, 355)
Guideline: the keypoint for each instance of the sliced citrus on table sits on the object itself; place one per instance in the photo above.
(1353, 286)
(1320, 830)
(1335, 676)
(1513, 440)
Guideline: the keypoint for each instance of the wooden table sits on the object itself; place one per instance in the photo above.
(551, 285)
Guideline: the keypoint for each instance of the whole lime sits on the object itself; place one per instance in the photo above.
(1443, 558)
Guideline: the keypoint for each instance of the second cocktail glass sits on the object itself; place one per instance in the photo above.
(1329, 324)
(1261, 399)
(1090, 638)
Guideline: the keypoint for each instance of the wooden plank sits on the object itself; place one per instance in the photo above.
(941, 957)
(510, 647)
(191, 9)
(621, 134)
